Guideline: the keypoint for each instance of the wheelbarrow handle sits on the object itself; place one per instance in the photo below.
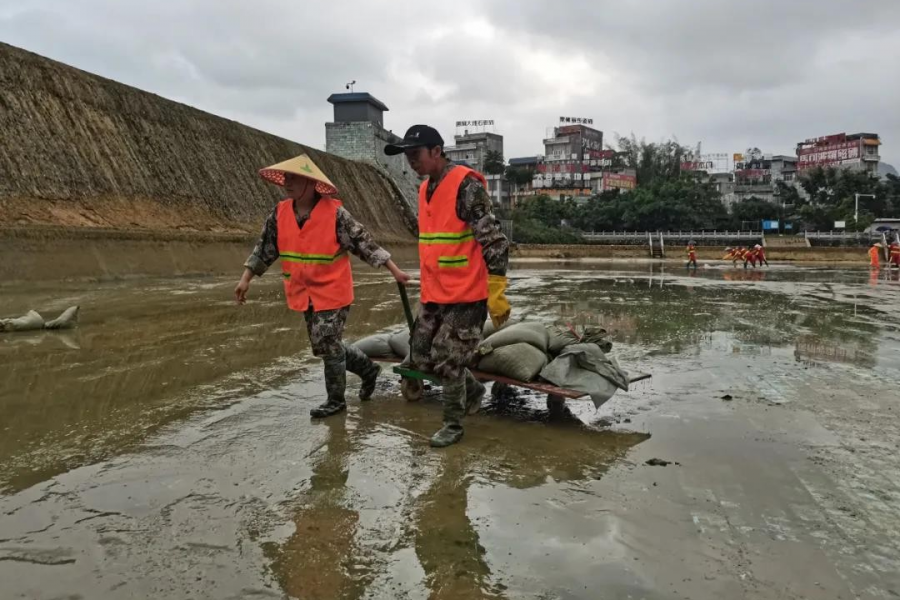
(406, 308)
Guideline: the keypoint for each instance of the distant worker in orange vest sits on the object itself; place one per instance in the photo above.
(312, 233)
(740, 255)
(874, 252)
(894, 250)
(692, 255)
(730, 254)
(761, 255)
(463, 256)
(750, 256)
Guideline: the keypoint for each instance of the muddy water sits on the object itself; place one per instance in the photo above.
(163, 449)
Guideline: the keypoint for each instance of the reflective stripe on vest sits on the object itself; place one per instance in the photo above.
(311, 259)
(314, 268)
(452, 265)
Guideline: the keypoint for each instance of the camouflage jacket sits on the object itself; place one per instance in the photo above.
(351, 236)
(473, 205)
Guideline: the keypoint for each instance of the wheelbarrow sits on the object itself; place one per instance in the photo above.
(411, 386)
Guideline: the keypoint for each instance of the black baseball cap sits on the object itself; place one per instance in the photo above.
(416, 137)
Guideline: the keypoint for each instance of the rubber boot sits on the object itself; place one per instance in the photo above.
(335, 384)
(360, 364)
(454, 398)
(474, 393)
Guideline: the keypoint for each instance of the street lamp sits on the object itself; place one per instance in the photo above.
(856, 211)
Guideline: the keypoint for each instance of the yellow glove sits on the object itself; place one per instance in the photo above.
(498, 305)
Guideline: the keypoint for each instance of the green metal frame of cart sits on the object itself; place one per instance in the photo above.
(411, 389)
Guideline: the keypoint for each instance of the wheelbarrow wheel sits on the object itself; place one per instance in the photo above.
(556, 407)
(500, 390)
(411, 389)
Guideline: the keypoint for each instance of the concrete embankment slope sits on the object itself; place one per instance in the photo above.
(83, 153)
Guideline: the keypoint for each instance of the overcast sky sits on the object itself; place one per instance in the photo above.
(764, 73)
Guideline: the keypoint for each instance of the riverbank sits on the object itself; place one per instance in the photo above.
(704, 253)
(64, 253)
(60, 253)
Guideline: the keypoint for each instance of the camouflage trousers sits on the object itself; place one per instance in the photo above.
(444, 340)
(326, 330)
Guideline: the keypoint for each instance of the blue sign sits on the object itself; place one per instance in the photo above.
(770, 224)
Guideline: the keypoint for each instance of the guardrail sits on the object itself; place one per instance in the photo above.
(842, 235)
(643, 236)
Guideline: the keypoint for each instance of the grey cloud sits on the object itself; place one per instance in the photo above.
(761, 73)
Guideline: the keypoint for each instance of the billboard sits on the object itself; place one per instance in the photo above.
(577, 120)
(622, 181)
(711, 163)
(478, 123)
(828, 150)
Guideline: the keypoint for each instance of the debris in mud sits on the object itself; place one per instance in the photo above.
(727, 397)
(658, 462)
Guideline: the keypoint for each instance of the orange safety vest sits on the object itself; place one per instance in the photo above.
(452, 265)
(691, 251)
(314, 267)
(873, 255)
(895, 250)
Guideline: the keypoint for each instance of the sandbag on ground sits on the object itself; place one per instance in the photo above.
(532, 333)
(562, 336)
(399, 343)
(376, 346)
(586, 368)
(30, 321)
(521, 362)
(67, 320)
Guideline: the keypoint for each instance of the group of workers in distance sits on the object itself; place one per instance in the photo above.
(463, 257)
(752, 256)
(893, 255)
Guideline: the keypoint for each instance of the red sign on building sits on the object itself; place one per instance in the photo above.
(827, 150)
(621, 181)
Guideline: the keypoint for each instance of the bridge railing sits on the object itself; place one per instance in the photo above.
(699, 237)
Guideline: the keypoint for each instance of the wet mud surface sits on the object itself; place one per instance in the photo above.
(164, 450)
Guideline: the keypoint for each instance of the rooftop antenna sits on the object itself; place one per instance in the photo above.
(350, 85)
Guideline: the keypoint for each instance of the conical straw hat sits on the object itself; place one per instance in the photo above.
(303, 166)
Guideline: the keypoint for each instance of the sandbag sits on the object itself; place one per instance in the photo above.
(31, 320)
(532, 333)
(586, 368)
(376, 346)
(67, 320)
(562, 336)
(489, 328)
(399, 344)
(521, 362)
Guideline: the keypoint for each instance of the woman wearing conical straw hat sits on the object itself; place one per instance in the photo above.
(311, 232)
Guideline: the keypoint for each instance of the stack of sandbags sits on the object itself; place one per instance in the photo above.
(586, 368)
(518, 351)
(385, 345)
(564, 335)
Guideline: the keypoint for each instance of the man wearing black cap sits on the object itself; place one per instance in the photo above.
(463, 257)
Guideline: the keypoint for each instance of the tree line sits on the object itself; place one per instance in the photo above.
(667, 198)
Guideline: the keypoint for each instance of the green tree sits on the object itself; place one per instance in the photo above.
(493, 163)
(755, 210)
(519, 175)
(832, 197)
(651, 161)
